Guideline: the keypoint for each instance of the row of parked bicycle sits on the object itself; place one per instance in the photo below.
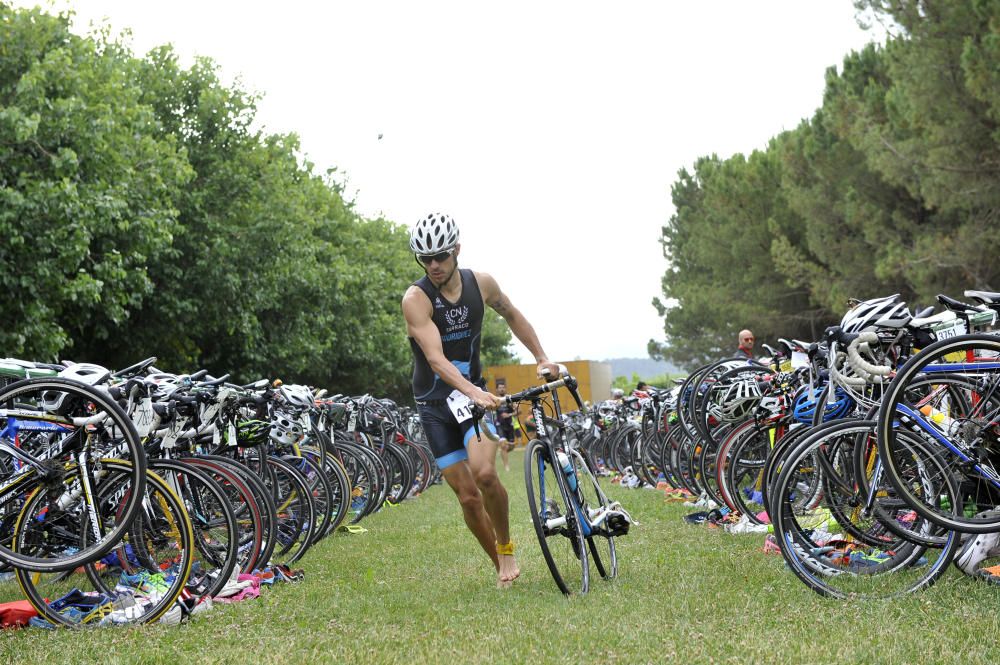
(874, 452)
(144, 488)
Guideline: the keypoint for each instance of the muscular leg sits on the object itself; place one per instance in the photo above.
(461, 480)
(482, 463)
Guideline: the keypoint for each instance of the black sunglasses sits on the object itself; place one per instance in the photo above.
(440, 257)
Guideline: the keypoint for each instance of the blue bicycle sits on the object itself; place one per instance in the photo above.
(948, 398)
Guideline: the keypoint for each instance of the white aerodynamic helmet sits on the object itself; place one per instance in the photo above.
(870, 313)
(58, 401)
(434, 233)
(297, 397)
(740, 399)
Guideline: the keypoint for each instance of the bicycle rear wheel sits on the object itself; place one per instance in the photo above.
(556, 521)
(141, 578)
(246, 509)
(217, 537)
(880, 565)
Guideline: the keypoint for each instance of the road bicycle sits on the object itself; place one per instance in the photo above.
(575, 521)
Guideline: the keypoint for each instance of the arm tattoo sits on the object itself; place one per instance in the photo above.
(501, 305)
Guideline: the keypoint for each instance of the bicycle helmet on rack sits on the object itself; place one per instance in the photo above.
(867, 315)
(87, 373)
(804, 409)
(434, 233)
(897, 317)
(336, 413)
(606, 412)
(739, 400)
(296, 396)
(252, 432)
(54, 401)
(286, 429)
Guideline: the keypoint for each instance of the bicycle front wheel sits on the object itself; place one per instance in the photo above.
(948, 398)
(63, 429)
(556, 520)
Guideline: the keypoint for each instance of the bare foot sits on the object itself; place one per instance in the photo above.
(508, 572)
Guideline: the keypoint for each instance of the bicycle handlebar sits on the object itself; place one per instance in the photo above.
(566, 381)
(136, 368)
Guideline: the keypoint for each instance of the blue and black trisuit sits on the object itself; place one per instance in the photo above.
(460, 324)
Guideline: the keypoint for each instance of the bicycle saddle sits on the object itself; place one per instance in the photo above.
(985, 297)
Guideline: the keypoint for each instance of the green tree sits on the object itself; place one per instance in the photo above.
(86, 186)
(271, 272)
(890, 187)
(721, 277)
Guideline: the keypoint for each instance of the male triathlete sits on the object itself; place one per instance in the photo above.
(444, 315)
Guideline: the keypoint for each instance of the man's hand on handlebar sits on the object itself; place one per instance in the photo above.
(485, 400)
(548, 371)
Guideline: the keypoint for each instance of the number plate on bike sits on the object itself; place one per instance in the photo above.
(460, 405)
(954, 330)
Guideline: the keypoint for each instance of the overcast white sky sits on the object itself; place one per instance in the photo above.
(551, 131)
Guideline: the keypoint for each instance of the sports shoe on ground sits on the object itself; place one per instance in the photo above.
(702, 502)
(746, 526)
(976, 550)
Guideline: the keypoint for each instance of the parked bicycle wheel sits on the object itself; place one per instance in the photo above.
(213, 519)
(143, 575)
(63, 428)
(838, 564)
(250, 521)
(947, 396)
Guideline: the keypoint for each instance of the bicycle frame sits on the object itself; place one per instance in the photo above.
(915, 416)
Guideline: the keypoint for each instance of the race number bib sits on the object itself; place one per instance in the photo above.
(142, 417)
(173, 433)
(352, 418)
(460, 405)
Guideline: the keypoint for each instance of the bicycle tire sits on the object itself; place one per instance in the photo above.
(116, 434)
(554, 520)
(974, 482)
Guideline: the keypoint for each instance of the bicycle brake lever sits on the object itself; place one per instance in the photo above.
(477, 413)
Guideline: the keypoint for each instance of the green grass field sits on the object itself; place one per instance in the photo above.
(416, 589)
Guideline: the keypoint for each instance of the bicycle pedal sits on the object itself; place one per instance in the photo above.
(617, 525)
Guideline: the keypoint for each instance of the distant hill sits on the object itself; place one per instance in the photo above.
(646, 368)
